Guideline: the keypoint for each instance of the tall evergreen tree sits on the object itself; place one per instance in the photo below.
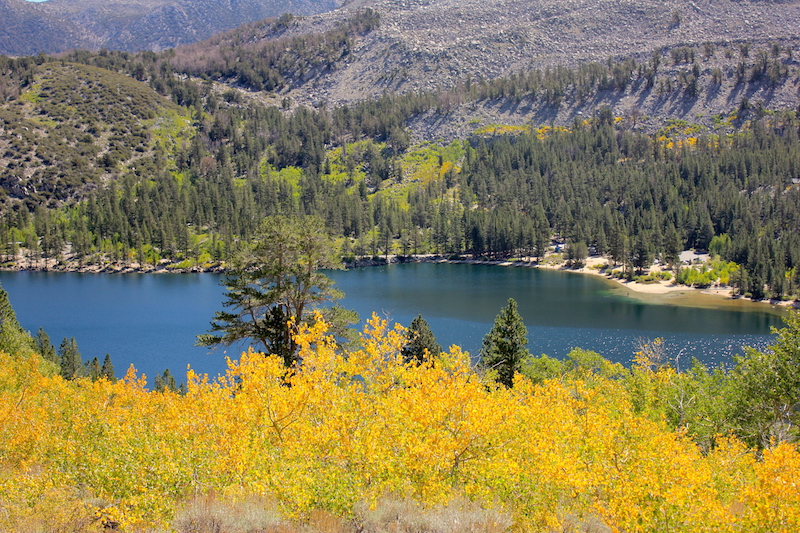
(93, 369)
(107, 370)
(46, 348)
(274, 284)
(71, 364)
(421, 342)
(504, 347)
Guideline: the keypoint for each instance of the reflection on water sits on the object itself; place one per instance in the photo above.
(562, 310)
(151, 320)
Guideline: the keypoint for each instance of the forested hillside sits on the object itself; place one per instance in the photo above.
(116, 158)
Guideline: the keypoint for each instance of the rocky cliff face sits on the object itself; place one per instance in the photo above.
(57, 25)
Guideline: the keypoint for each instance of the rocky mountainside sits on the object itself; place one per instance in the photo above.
(430, 44)
(57, 25)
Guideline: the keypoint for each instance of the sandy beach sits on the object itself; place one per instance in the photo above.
(661, 292)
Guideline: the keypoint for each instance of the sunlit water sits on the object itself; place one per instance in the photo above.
(151, 321)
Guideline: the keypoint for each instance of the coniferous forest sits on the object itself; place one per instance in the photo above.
(117, 158)
(113, 158)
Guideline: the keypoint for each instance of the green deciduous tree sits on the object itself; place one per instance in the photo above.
(274, 283)
(504, 347)
(766, 388)
(421, 342)
(13, 339)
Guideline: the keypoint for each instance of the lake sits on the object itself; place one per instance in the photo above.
(151, 320)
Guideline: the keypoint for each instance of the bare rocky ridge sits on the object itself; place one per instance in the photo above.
(427, 44)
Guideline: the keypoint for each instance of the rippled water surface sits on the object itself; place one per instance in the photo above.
(151, 320)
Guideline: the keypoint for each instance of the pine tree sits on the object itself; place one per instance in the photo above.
(93, 369)
(420, 340)
(504, 347)
(166, 382)
(274, 283)
(46, 348)
(107, 370)
(71, 364)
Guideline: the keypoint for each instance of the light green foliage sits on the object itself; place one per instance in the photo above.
(758, 401)
(430, 161)
(720, 245)
(14, 340)
(680, 128)
(580, 364)
(348, 164)
(504, 348)
(583, 364)
(698, 401)
(542, 368)
(172, 128)
(717, 271)
(766, 391)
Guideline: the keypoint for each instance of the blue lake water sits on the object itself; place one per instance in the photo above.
(151, 321)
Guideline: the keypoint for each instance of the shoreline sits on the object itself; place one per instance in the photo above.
(659, 291)
(665, 292)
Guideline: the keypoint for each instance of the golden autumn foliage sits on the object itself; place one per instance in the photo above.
(350, 427)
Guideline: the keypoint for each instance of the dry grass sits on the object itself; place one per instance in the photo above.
(406, 516)
(66, 513)
(208, 514)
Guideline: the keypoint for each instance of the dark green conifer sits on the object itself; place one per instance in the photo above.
(421, 343)
(71, 364)
(93, 369)
(107, 370)
(504, 347)
(166, 382)
(46, 348)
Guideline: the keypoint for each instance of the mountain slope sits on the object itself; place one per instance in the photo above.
(59, 25)
(423, 45)
(75, 127)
